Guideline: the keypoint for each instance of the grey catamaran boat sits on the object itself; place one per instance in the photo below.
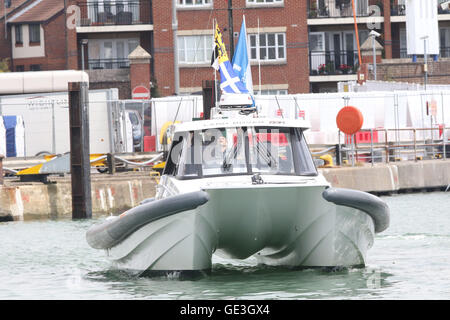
(239, 186)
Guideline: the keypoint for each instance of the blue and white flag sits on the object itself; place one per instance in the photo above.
(241, 62)
(229, 81)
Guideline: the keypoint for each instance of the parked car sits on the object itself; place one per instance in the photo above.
(136, 122)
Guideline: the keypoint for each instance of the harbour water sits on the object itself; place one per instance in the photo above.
(410, 260)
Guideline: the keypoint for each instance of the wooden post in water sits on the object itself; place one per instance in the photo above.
(80, 166)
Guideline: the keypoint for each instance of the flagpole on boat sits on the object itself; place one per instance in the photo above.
(259, 62)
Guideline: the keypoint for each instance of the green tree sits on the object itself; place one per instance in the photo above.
(4, 65)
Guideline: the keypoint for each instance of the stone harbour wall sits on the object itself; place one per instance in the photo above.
(41, 201)
(392, 177)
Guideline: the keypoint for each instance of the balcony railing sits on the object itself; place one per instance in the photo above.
(333, 62)
(443, 8)
(101, 13)
(337, 8)
(98, 64)
(444, 52)
(398, 10)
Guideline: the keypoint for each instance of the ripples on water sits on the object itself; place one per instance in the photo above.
(410, 260)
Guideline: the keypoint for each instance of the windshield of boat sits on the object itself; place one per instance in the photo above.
(237, 151)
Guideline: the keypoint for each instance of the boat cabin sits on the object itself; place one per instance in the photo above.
(226, 147)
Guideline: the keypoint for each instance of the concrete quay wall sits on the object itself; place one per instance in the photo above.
(42, 201)
(392, 177)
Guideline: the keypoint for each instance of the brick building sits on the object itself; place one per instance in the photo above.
(104, 33)
(36, 37)
(7, 9)
(300, 45)
(96, 36)
(332, 41)
(282, 42)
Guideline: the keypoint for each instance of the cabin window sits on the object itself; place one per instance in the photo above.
(271, 151)
(174, 156)
(240, 151)
(305, 162)
(279, 151)
(223, 151)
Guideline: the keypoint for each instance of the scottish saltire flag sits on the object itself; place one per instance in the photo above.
(241, 62)
(229, 81)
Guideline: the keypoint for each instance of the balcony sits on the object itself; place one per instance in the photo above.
(443, 7)
(99, 64)
(114, 13)
(337, 8)
(333, 62)
(399, 8)
(444, 52)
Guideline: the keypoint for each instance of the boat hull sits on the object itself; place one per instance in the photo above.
(290, 226)
(280, 225)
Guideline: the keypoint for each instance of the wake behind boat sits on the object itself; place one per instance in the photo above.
(241, 186)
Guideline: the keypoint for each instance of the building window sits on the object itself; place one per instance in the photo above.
(35, 67)
(194, 3)
(20, 68)
(110, 53)
(35, 33)
(268, 46)
(18, 32)
(195, 49)
(265, 2)
(274, 92)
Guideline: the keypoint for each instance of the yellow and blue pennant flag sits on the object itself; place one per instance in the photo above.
(229, 81)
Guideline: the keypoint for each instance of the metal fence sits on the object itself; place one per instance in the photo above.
(399, 8)
(112, 13)
(34, 125)
(389, 149)
(95, 64)
(403, 124)
(444, 52)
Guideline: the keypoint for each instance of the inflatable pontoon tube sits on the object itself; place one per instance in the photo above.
(113, 231)
(376, 208)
